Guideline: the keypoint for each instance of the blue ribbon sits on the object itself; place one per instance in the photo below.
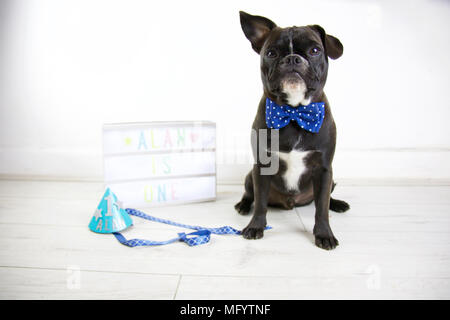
(201, 236)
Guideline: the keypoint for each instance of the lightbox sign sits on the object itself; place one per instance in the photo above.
(156, 163)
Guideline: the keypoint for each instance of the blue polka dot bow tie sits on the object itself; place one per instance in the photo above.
(308, 117)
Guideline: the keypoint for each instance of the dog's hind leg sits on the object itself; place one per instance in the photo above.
(338, 205)
(243, 207)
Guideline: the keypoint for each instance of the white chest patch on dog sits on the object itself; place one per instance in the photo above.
(295, 166)
(295, 92)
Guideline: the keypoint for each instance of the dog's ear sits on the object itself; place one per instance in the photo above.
(333, 46)
(256, 29)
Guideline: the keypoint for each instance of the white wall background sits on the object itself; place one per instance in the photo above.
(67, 67)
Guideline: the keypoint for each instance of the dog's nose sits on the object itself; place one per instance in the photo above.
(293, 59)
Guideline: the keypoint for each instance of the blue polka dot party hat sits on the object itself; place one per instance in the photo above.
(110, 216)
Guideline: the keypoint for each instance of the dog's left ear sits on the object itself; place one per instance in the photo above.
(333, 46)
(256, 29)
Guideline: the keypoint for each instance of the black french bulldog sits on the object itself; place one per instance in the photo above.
(294, 66)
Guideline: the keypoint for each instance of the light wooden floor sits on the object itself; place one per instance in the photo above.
(395, 244)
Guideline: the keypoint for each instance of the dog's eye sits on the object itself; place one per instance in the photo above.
(271, 53)
(314, 51)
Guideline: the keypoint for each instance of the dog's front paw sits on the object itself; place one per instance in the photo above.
(325, 238)
(253, 232)
(327, 243)
(243, 207)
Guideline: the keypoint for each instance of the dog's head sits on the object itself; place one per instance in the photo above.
(294, 61)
